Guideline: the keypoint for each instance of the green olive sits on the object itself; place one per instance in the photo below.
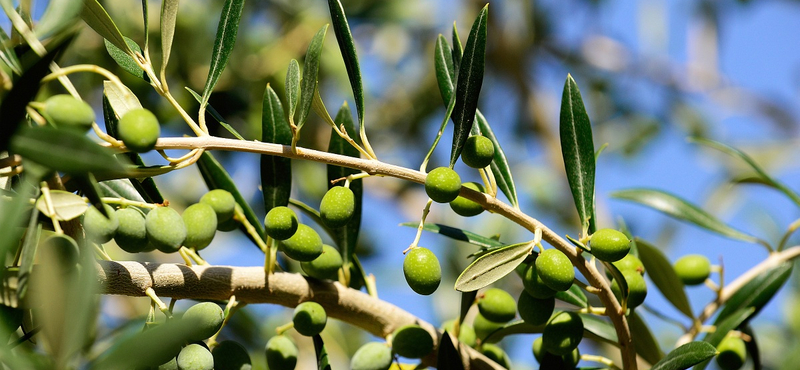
(534, 285)
(630, 262)
(637, 288)
(466, 207)
(562, 333)
(99, 228)
(207, 317)
(609, 245)
(372, 356)
(222, 202)
(442, 184)
(66, 111)
(337, 206)
(732, 353)
(201, 225)
(412, 341)
(693, 269)
(230, 355)
(281, 353)
(497, 305)
(535, 311)
(305, 245)
(139, 130)
(478, 151)
(422, 271)
(281, 223)
(484, 327)
(195, 357)
(496, 354)
(165, 229)
(309, 318)
(131, 235)
(555, 269)
(466, 333)
(326, 266)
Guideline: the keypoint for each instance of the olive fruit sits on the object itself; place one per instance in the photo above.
(496, 354)
(534, 285)
(412, 341)
(609, 245)
(309, 318)
(630, 262)
(66, 111)
(305, 245)
(337, 206)
(484, 327)
(372, 356)
(548, 360)
(201, 225)
(562, 333)
(195, 357)
(131, 235)
(465, 207)
(637, 288)
(230, 355)
(281, 353)
(326, 266)
(466, 333)
(139, 129)
(99, 228)
(422, 271)
(207, 317)
(442, 184)
(555, 269)
(732, 353)
(165, 229)
(693, 269)
(222, 202)
(535, 311)
(281, 223)
(478, 151)
(497, 305)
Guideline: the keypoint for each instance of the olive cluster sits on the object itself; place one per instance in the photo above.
(309, 319)
(612, 246)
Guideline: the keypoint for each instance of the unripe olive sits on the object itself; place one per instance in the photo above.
(208, 318)
(61, 250)
(66, 111)
(326, 266)
(309, 318)
(337, 206)
(484, 327)
(422, 271)
(131, 235)
(732, 353)
(497, 305)
(478, 151)
(201, 225)
(100, 229)
(281, 353)
(139, 129)
(222, 202)
(466, 333)
(195, 357)
(550, 361)
(229, 225)
(372, 356)
(609, 245)
(534, 285)
(535, 311)
(281, 223)
(466, 207)
(230, 355)
(630, 262)
(693, 269)
(562, 333)
(305, 245)
(165, 229)
(555, 269)
(443, 184)
(496, 354)
(637, 288)
(412, 341)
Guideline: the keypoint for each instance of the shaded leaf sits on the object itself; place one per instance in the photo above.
(752, 347)
(574, 295)
(445, 71)
(292, 86)
(348, 48)
(599, 327)
(310, 75)
(577, 148)
(276, 172)
(98, 19)
(492, 266)
(13, 216)
(664, 276)
(686, 356)
(758, 291)
(169, 14)
(87, 185)
(66, 205)
(227, 28)
(682, 210)
(347, 235)
(458, 49)
(321, 353)
(121, 100)
(447, 357)
(28, 254)
(458, 234)
(467, 300)
(214, 114)
(58, 15)
(500, 167)
(644, 342)
(77, 153)
(124, 59)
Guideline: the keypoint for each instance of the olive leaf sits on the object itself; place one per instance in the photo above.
(308, 86)
(66, 205)
(292, 86)
(458, 234)
(722, 327)
(347, 235)
(58, 15)
(227, 29)
(146, 24)
(758, 291)
(686, 356)
(574, 295)
(500, 167)
(348, 48)
(664, 277)
(447, 356)
(458, 49)
(214, 114)
(644, 342)
(28, 253)
(444, 67)
(121, 100)
(77, 153)
(125, 60)
(13, 218)
(492, 266)
(121, 188)
(7, 53)
(321, 353)
(577, 148)
(169, 15)
(98, 19)
(276, 172)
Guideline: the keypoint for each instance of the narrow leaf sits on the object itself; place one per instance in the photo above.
(492, 266)
(348, 48)
(77, 153)
(574, 295)
(686, 356)
(310, 75)
(458, 49)
(121, 188)
(276, 172)
(467, 300)
(468, 85)
(682, 210)
(321, 353)
(347, 235)
(600, 327)
(752, 347)
(59, 15)
(757, 292)
(458, 234)
(577, 148)
(292, 86)
(146, 24)
(500, 167)
(98, 19)
(169, 15)
(120, 99)
(722, 327)
(644, 342)
(447, 357)
(66, 205)
(7, 53)
(13, 216)
(664, 276)
(28, 253)
(87, 185)
(227, 28)
(445, 71)
(214, 114)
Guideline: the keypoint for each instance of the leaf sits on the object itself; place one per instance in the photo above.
(276, 172)
(467, 300)
(146, 24)
(685, 356)
(120, 99)
(346, 236)
(682, 210)
(458, 49)
(758, 291)
(227, 28)
(292, 87)
(7, 53)
(66, 205)
(664, 277)
(13, 216)
(468, 84)
(722, 327)
(752, 347)
(574, 295)
(447, 356)
(492, 266)
(125, 60)
(458, 234)
(28, 254)
(77, 154)
(87, 185)
(577, 148)
(98, 19)
(644, 342)
(169, 15)
(216, 177)
(348, 48)
(321, 353)
(599, 327)
(310, 75)
(216, 115)
(121, 188)
(445, 71)
(500, 167)
(58, 15)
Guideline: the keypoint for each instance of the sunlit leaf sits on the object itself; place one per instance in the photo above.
(227, 28)
(7, 53)
(169, 14)
(58, 15)
(98, 19)
(276, 172)
(467, 300)
(574, 295)
(458, 234)
(66, 205)
(664, 277)
(124, 59)
(121, 99)
(321, 353)
(77, 153)
(348, 48)
(686, 356)
(347, 235)
(447, 357)
(577, 148)
(500, 167)
(492, 266)
(214, 114)
(308, 86)
(644, 342)
(758, 291)
(121, 188)
(292, 86)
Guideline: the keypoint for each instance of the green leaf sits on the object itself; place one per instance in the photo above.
(146, 24)
(458, 49)
(227, 28)
(574, 295)
(13, 217)
(445, 70)
(468, 84)
(66, 205)
(169, 15)
(98, 19)
(292, 86)
(577, 148)
(348, 48)
(686, 356)
(120, 188)
(758, 291)
(276, 172)
(467, 300)
(500, 167)
(599, 327)
(664, 276)
(644, 342)
(121, 100)
(447, 356)
(511, 328)
(347, 235)
(682, 210)
(216, 177)
(310, 75)
(28, 254)
(752, 346)
(7, 53)
(58, 15)
(216, 115)
(722, 327)
(766, 178)
(77, 154)
(458, 234)
(125, 60)
(321, 353)
(492, 266)
(87, 185)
